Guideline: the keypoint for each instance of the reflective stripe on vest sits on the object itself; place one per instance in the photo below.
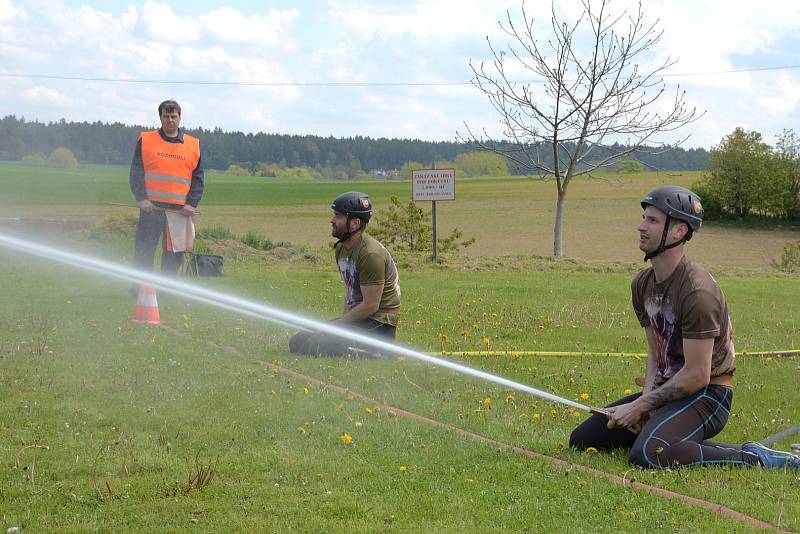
(168, 167)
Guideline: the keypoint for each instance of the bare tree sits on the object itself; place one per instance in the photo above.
(594, 104)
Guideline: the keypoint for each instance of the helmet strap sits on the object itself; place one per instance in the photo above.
(662, 247)
(349, 234)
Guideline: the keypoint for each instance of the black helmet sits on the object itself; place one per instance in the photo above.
(677, 202)
(353, 204)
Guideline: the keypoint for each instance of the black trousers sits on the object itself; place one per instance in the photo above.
(323, 344)
(152, 227)
(678, 433)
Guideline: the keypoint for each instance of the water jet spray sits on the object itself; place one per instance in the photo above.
(262, 311)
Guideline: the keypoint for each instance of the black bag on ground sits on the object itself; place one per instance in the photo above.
(205, 265)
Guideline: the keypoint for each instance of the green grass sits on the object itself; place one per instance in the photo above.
(128, 412)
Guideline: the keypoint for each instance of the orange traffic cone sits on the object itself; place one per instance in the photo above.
(146, 307)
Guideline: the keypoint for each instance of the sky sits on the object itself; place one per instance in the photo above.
(274, 66)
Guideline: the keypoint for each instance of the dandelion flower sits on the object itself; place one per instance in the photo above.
(301, 430)
(584, 396)
(370, 410)
(591, 450)
(403, 469)
(305, 391)
(535, 417)
(274, 392)
(487, 401)
(486, 340)
(510, 397)
(346, 438)
(627, 391)
(418, 322)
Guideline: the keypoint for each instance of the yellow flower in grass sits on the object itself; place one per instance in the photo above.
(305, 391)
(301, 430)
(535, 417)
(370, 410)
(487, 401)
(510, 397)
(591, 450)
(469, 481)
(627, 391)
(346, 438)
(442, 337)
(486, 340)
(584, 396)
(403, 469)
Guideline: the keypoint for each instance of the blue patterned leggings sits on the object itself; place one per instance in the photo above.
(676, 434)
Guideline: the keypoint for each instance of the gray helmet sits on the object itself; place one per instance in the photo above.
(353, 204)
(678, 203)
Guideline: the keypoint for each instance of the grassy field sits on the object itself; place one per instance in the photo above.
(507, 216)
(111, 426)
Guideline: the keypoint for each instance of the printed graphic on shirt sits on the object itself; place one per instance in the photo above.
(669, 336)
(352, 284)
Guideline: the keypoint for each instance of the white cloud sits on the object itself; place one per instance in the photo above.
(46, 96)
(160, 23)
(431, 21)
(8, 11)
(786, 97)
(229, 25)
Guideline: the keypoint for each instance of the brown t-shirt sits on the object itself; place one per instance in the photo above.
(689, 304)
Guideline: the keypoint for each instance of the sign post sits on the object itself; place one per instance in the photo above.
(432, 185)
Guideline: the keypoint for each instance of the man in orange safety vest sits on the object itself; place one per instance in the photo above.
(166, 174)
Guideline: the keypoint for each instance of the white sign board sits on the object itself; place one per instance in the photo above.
(433, 184)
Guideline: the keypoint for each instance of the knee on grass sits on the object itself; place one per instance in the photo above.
(655, 455)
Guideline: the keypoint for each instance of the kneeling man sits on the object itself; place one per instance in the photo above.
(371, 283)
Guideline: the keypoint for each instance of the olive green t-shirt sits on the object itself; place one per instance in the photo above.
(687, 305)
(369, 263)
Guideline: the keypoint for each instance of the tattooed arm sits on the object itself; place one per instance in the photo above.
(693, 376)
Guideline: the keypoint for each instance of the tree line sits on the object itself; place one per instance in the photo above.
(113, 143)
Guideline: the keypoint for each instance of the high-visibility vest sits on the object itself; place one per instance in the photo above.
(168, 167)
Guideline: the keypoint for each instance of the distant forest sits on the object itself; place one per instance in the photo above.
(113, 143)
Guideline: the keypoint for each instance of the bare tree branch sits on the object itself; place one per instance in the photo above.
(592, 88)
